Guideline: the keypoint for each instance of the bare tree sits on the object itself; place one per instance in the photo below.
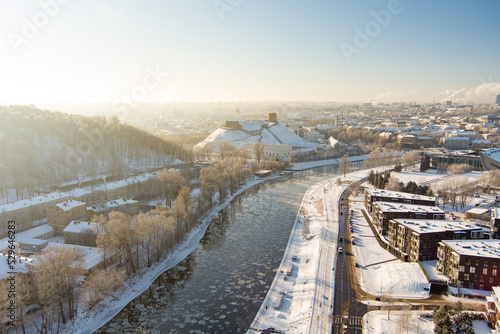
(57, 271)
(459, 168)
(172, 181)
(410, 158)
(100, 284)
(209, 178)
(344, 165)
(393, 184)
(258, 149)
(119, 236)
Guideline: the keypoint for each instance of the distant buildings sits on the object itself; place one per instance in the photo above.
(470, 158)
(497, 101)
(455, 143)
(410, 141)
(470, 264)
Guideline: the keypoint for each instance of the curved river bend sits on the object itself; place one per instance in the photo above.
(221, 285)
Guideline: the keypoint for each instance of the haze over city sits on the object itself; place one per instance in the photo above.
(249, 166)
(342, 51)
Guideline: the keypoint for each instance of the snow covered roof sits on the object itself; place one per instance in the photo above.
(255, 132)
(398, 194)
(494, 154)
(432, 226)
(478, 211)
(35, 200)
(68, 205)
(20, 265)
(77, 226)
(111, 204)
(401, 207)
(30, 237)
(456, 139)
(91, 255)
(484, 248)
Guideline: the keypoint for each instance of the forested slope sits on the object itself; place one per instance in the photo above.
(40, 149)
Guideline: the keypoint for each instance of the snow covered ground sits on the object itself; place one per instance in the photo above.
(382, 274)
(91, 320)
(410, 322)
(379, 322)
(321, 163)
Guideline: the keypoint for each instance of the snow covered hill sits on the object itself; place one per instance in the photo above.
(268, 133)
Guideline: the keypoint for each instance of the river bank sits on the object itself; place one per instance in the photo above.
(92, 320)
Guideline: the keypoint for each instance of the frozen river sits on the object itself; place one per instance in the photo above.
(221, 285)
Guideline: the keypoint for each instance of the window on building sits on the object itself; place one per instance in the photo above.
(481, 286)
(491, 280)
(494, 272)
(485, 271)
(472, 270)
(466, 277)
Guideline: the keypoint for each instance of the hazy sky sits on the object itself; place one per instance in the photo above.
(247, 50)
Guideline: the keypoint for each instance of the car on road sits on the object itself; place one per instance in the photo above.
(356, 265)
(341, 239)
(340, 250)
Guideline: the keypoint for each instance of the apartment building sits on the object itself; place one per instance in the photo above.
(125, 205)
(383, 212)
(470, 264)
(417, 240)
(82, 233)
(380, 195)
(61, 214)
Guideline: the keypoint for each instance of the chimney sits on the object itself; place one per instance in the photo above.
(272, 117)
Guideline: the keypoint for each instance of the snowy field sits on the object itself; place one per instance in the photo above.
(410, 322)
(380, 322)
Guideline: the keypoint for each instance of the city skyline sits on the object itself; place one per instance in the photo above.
(56, 51)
